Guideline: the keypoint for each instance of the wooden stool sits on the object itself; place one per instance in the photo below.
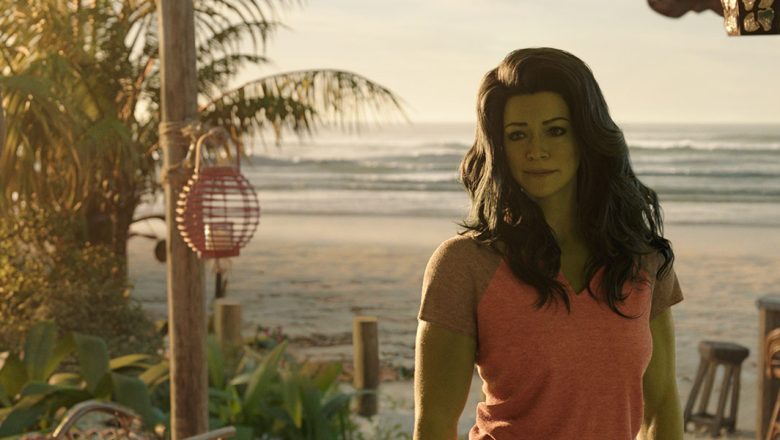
(714, 353)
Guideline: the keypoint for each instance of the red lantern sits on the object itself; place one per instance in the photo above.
(218, 211)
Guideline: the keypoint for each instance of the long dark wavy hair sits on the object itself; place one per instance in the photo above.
(619, 216)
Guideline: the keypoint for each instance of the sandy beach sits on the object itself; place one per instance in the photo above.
(313, 274)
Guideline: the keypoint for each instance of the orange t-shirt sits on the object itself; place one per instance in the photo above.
(547, 374)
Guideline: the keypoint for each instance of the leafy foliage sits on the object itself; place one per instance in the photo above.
(33, 393)
(270, 395)
(266, 395)
(47, 272)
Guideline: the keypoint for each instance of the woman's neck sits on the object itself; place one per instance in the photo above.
(561, 216)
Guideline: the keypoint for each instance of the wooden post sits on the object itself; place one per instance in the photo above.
(768, 319)
(365, 344)
(227, 321)
(227, 326)
(186, 293)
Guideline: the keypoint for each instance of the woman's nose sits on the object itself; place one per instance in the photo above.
(536, 149)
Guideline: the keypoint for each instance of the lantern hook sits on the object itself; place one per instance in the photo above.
(222, 136)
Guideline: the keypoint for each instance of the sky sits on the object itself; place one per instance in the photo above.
(433, 54)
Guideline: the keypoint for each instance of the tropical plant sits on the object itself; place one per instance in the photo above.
(46, 273)
(81, 89)
(34, 390)
(266, 395)
(271, 395)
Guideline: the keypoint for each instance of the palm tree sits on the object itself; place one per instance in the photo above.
(82, 91)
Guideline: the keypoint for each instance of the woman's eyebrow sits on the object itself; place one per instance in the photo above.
(525, 124)
(521, 124)
(555, 119)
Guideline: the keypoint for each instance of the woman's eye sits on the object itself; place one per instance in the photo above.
(557, 131)
(516, 135)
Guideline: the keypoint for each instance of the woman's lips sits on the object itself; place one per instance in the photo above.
(532, 174)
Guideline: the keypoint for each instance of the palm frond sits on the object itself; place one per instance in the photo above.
(228, 39)
(240, 114)
(27, 165)
(302, 100)
(215, 75)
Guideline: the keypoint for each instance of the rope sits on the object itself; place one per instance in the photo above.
(182, 134)
(188, 134)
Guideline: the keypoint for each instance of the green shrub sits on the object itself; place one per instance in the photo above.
(47, 272)
(269, 395)
(265, 395)
(33, 395)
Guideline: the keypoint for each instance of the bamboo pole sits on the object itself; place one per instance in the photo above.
(365, 344)
(768, 320)
(186, 293)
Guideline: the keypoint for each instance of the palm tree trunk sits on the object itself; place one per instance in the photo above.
(109, 223)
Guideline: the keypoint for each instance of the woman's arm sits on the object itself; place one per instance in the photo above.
(663, 417)
(444, 365)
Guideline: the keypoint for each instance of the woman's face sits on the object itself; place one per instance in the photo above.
(538, 136)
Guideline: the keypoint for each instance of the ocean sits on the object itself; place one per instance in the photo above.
(703, 174)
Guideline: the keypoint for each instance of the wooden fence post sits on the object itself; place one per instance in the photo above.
(227, 321)
(365, 343)
(227, 326)
(768, 319)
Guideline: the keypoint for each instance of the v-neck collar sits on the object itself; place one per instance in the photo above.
(562, 278)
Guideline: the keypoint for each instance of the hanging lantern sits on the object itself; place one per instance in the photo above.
(217, 210)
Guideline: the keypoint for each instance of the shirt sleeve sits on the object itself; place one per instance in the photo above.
(448, 290)
(666, 291)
